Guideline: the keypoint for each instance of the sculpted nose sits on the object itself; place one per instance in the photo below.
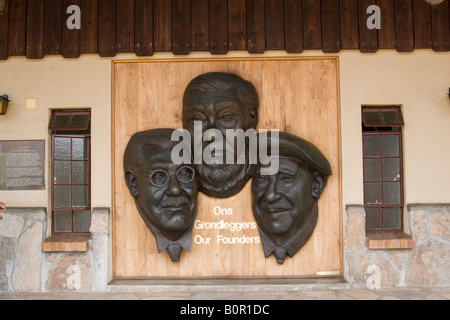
(211, 122)
(271, 195)
(174, 187)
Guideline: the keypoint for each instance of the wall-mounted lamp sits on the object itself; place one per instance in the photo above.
(3, 4)
(434, 2)
(3, 104)
(449, 93)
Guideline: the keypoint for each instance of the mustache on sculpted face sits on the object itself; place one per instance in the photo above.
(168, 202)
(278, 205)
(221, 177)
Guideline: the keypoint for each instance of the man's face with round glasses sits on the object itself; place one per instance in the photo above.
(167, 192)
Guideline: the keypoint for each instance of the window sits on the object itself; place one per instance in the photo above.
(71, 199)
(70, 120)
(382, 155)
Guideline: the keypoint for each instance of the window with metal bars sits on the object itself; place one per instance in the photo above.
(383, 159)
(71, 182)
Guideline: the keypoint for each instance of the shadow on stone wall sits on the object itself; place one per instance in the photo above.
(427, 264)
(25, 268)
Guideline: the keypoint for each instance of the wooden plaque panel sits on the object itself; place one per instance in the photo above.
(299, 96)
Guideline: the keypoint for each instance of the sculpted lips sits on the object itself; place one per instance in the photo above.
(174, 202)
(278, 206)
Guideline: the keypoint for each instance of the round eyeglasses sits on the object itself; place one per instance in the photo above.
(160, 177)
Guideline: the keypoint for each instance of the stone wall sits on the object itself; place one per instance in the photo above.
(427, 264)
(82, 271)
(25, 268)
(21, 234)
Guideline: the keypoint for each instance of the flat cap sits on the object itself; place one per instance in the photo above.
(298, 148)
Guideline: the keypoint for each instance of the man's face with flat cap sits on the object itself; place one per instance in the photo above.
(282, 202)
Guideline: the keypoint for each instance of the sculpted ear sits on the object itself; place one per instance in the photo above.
(130, 180)
(319, 183)
(254, 115)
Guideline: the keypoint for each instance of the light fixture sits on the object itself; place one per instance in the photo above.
(434, 2)
(449, 93)
(3, 104)
(3, 4)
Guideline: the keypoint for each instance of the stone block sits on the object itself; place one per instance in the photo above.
(418, 224)
(359, 272)
(3, 278)
(7, 248)
(73, 272)
(100, 254)
(355, 228)
(440, 224)
(27, 265)
(11, 225)
(429, 264)
(100, 220)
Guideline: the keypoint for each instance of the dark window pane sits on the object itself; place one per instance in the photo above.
(373, 218)
(60, 121)
(372, 146)
(81, 220)
(62, 172)
(79, 172)
(80, 196)
(391, 192)
(63, 220)
(391, 169)
(372, 193)
(62, 148)
(372, 117)
(70, 120)
(392, 218)
(382, 117)
(391, 117)
(79, 149)
(62, 196)
(80, 120)
(372, 169)
(391, 146)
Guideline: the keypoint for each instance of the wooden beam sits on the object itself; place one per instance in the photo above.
(422, 24)
(107, 28)
(368, 38)
(386, 35)
(275, 25)
(331, 42)
(440, 26)
(404, 25)
(70, 43)
(218, 26)
(293, 19)
(199, 25)
(143, 31)
(4, 20)
(53, 25)
(256, 33)
(349, 24)
(181, 26)
(237, 24)
(17, 27)
(125, 25)
(89, 26)
(162, 20)
(312, 31)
